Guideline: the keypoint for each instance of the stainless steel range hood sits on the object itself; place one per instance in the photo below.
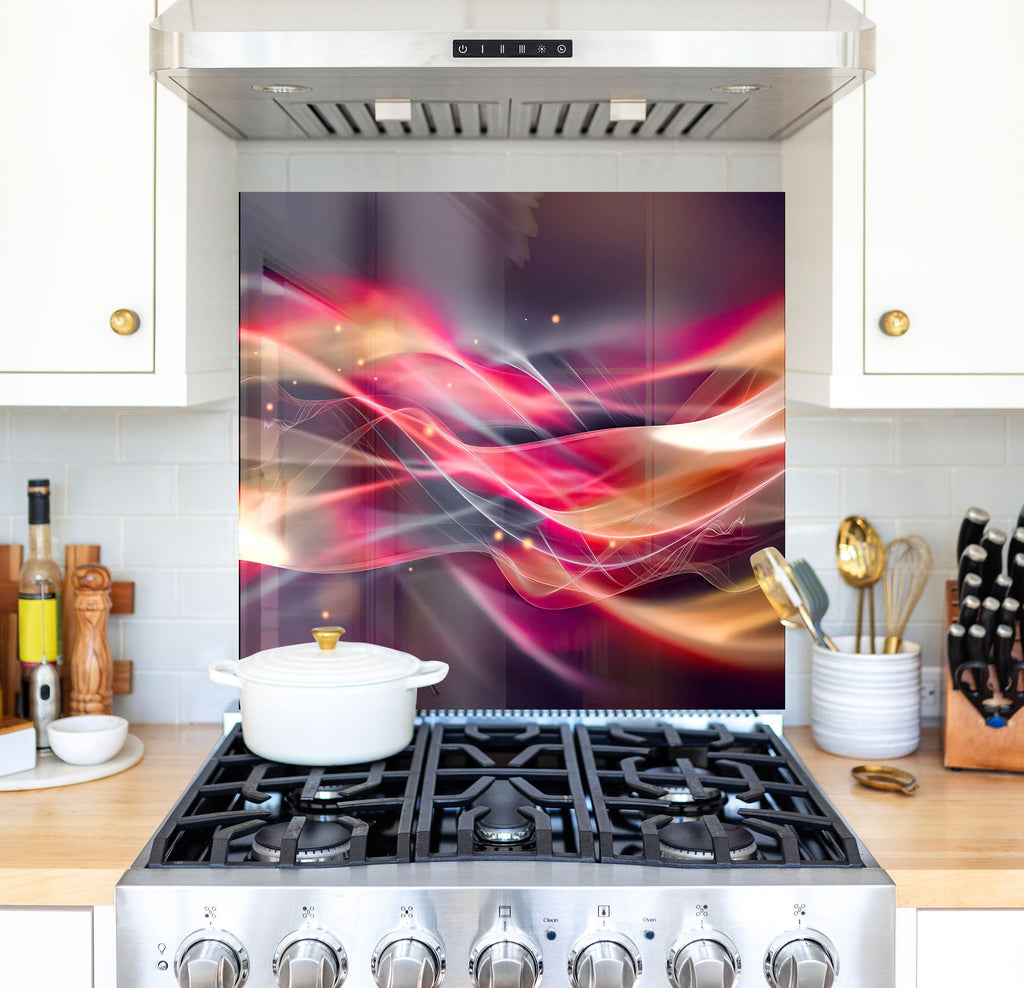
(498, 69)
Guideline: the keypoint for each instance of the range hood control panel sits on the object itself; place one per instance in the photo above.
(514, 48)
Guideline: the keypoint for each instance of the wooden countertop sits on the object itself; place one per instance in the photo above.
(958, 843)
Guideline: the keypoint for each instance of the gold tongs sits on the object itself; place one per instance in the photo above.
(885, 777)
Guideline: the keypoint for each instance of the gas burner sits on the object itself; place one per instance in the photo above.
(691, 841)
(502, 823)
(682, 801)
(319, 842)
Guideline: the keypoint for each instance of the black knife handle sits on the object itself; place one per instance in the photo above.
(956, 652)
(977, 660)
(1005, 635)
(970, 608)
(1001, 587)
(1020, 518)
(993, 542)
(988, 618)
(973, 524)
(1017, 576)
(970, 587)
(972, 560)
(1016, 544)
(1009, 612)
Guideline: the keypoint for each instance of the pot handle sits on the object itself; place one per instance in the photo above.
(430, 673)
(223, 672)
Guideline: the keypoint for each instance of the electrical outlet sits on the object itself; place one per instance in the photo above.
(931, 694)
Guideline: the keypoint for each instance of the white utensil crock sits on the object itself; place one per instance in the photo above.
(307, 705)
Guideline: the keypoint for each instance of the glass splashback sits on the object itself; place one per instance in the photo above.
(535, 435)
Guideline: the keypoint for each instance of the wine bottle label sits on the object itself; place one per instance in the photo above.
(39, 626)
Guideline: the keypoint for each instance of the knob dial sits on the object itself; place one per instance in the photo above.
(802, 959)
(506, 965)
(311, 959)
(609, 962)
(709, 961)
(414, 960)
(211, 959)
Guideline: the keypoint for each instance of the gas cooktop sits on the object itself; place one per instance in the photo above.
(642, 793)
(491, 852)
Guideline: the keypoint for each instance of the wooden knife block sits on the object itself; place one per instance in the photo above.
(122, 597)
(968, 742)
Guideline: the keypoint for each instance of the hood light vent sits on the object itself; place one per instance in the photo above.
(576, 119)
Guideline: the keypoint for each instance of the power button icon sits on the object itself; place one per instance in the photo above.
(463, 49)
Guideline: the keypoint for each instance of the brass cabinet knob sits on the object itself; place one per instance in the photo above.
(124, 322)
(895, 323)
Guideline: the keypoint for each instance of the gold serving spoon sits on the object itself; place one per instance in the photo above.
(860, 558)
(784, 594)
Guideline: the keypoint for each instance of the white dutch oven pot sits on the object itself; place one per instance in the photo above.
(325, 702)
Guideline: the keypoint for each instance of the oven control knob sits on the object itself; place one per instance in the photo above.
(709, 960)
(504, 961)
(211, 959)
(801, 959)
(609, 960)
(310, 959)
(410, 959)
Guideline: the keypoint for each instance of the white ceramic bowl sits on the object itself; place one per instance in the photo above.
(87, 739)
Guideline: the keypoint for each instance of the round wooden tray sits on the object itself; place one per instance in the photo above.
(50, 771)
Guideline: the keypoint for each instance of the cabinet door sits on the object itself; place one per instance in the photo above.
(944, 201)
(46, 948)
(76, 186)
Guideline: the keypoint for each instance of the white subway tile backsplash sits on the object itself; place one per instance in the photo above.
(926, 440)
(174, 437)
(209, 490)
(14, 478)
(156, 592)
(567, 171)
(818, 440)
(122, 490)
(891, 494)
(673, 172)
(179, 646)
(473, 172)
(203, 701)
(755, 172)
(999, 490)
(101, 530)
(179, 541)
(155, 698)
(811, 492)
(208, 593)
(73, 437)
(339, 172)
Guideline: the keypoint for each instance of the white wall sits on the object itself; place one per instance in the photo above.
(158, 489)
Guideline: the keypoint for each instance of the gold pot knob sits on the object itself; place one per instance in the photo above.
(895, 323)
(327, 637)
(124, 322)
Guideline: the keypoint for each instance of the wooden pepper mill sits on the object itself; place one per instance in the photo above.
(92, 670)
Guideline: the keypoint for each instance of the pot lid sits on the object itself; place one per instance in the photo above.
(328, 662)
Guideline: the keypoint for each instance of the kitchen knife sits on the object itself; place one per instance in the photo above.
(1009, 612)
(988, 618)
(1002, 660)
(976, 664)
(1017, 576)
(970, 608)
(972, 560)
(1016, 544)
(973, 524)
(970, 587)
(1020, 518)
(1001, 586)
(993, 542)
(956, 652)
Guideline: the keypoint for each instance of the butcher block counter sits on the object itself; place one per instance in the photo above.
(959, 842)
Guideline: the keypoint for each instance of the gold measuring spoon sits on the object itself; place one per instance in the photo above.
(860, 559)
(885, 777)
(776, 580)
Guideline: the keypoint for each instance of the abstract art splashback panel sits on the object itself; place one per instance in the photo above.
(535, 435)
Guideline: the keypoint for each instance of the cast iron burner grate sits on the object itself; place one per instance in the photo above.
(620, 793)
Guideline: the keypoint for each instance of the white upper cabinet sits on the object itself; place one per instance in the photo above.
(908, 198)
(107, 207)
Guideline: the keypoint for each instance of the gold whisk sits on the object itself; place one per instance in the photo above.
(908, 563)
